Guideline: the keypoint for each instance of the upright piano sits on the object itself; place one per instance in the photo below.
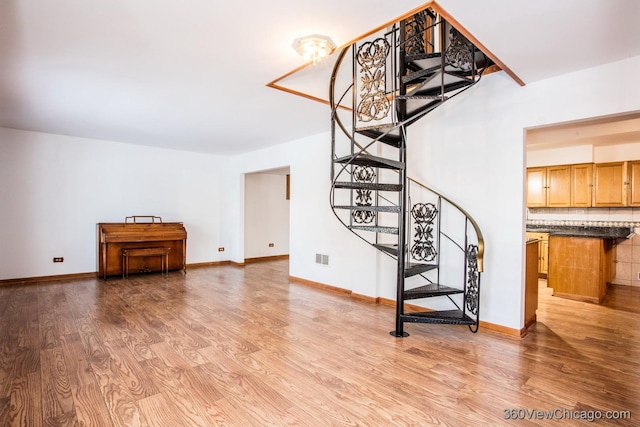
(140, 232)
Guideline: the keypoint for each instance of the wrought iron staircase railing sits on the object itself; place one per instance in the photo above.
(393, 80)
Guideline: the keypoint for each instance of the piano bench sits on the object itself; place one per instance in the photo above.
(163, 253)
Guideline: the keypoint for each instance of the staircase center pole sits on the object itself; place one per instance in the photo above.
(402, 219)
(402, 202)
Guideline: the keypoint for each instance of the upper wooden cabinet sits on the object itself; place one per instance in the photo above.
(615, 184)
(610, 184)
(537, 187)
(582, 185)
(559, 186)
(549, 187)
(633, 189)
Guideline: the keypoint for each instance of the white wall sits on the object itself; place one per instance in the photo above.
(584, 154)
(55, 189)
(560, 156)
(472, 150)
(266, 215)
(313, 227)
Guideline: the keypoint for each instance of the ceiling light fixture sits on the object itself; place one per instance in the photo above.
(314, 47)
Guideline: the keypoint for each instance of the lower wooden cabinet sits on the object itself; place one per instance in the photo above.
(531, 283)
(580, 267)
(543, 251)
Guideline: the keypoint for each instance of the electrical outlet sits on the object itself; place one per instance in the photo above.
(61, 259)
(271, 245)
(220, 249)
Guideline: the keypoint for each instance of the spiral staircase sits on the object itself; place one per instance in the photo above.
(379, 87)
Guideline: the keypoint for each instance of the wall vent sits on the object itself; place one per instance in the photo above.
(322, 259)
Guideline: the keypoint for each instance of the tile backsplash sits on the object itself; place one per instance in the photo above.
(628, 262)
(627, 251)
(603, 217)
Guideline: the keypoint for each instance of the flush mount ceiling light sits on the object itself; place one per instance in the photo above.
(314, 47)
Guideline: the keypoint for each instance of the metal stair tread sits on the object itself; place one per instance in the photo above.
(394, 209)
(375, 229)
(419, 111)
(411, 57)
(378, 132)
(367, 186)
(391, 249)
(434, 97)
(414, 268)
(436, 90)
(451, 317)
(430, 290)
(369, 160)
(380, 127)
(424, 72)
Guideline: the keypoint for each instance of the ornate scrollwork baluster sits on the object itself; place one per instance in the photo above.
(372, 57)
(363, 174)
(472, 295)
(414, 34)
(424, 215)
(459, 53)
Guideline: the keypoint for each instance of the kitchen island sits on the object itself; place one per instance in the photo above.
(582, 260)
(580, 267)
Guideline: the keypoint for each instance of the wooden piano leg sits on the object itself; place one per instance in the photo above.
(165, 264)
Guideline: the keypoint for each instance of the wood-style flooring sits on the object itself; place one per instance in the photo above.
(229, 346)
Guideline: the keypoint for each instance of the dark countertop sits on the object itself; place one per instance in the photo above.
(582, 231)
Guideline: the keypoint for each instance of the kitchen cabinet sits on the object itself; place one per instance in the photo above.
(543, 251)
(580, 267)
(633, 189)
(615, 184)
(549, 186)
(536, 187)
(559, 186)
(582, 185)
(610, 184)
(531, 283)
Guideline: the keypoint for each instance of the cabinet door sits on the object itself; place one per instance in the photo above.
(543, 251)
(633, 196)
(543, 268)
(559, 186)
(536, 187)
(582, 185)
(610, 184)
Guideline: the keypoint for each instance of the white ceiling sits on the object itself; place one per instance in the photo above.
(191, 75)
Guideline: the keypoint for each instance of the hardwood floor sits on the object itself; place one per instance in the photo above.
(235, 346)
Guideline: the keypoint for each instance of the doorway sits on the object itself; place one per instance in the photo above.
(575, 146)
(266, 215)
